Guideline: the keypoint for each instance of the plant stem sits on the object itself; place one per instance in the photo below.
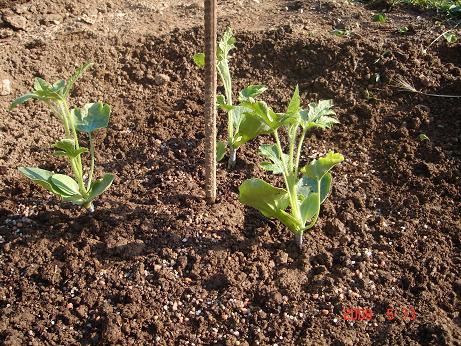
(299, 239)
(76, 163)
(230, 123)
(292, 138)
(291, 188)
(298, 154)
(90, 178)
(232, 157)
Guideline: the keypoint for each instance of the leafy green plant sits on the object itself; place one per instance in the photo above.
(297, 205)
(242, 125)
(87, 119)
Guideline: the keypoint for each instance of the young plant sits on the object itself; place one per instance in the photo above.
(297, 205)
(87, 119)
(242, 125)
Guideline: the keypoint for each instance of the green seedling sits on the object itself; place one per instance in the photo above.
(297, 205)
(242, 125)
(341, 32)
(450, 37)
(423, 137)
(87, 119)
(379, 17)
(404, 29)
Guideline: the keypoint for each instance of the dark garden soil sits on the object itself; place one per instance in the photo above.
(155, 265)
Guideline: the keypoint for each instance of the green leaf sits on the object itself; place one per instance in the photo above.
(41, 84)
(66, 147)
(220, 150)
(250, 92)
(75, 199)
(99, 186)
(308, 186)
(221, 103)
(77, 74)
(225, 45)
(248, 127)
(39, 176)
(295, 103)
(46, 91)
(269, 200)
(22, 99)
(91, 117)
(265, 113)
(379, 17)
(450, 37)
(316, 169)
(199, 60)
(65, 184)
(318, 115)
(58, 87)
(271, 152)
(341, 32)
(309, 207)
(423, 137)
(403, 29)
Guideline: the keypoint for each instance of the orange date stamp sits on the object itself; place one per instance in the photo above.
(406, 313)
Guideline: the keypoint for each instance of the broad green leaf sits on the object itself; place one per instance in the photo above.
(65, 184)
(269, 200)
(295, 103)
(250, 92)
(308, 185)
(309, 207)
(220, 150)
(199, 60)
(271, 152)
(77, 74)
(248, 127)
(265, 113)
(316, 169)
(22, 99)
(91, 117)
(99, 186)
(39, 176)
(66, 147)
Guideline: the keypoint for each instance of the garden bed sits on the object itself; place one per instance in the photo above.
(156, 265)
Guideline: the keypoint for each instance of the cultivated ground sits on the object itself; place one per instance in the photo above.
(155, 264)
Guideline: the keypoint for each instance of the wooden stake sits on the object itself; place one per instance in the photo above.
(210, 100)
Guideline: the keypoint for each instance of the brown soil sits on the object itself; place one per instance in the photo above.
(155, 264)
